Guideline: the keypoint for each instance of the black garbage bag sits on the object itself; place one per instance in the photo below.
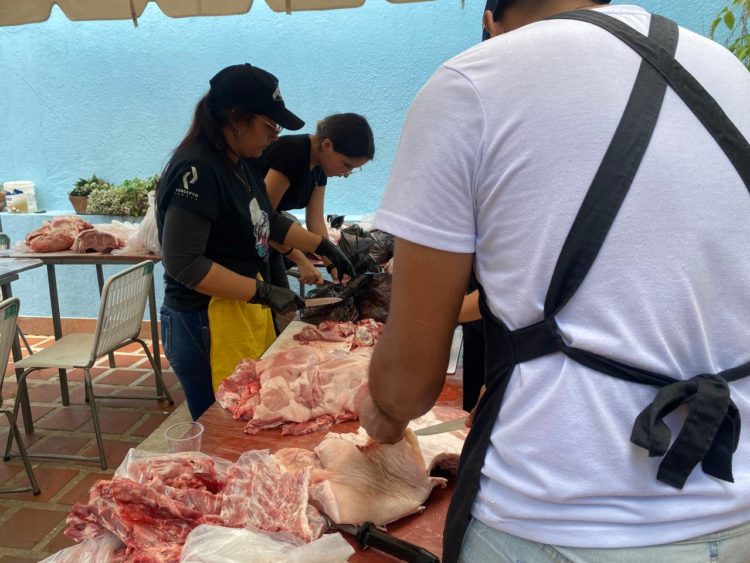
(374, 300)
(382, 247)
(355, 242)
(343, 311)
(335, 221)
(365, 297)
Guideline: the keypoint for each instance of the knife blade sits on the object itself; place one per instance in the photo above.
(449, 426)
(321, 301)
(367, 535)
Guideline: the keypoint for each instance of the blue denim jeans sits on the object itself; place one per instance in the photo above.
(187, 345)
(483, 544)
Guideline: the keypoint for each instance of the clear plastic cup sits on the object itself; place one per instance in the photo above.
(184, 437)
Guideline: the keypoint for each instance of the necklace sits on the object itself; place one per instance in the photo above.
(243, 180)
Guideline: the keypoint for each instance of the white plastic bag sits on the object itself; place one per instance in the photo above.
(147, 233)
(100, 549)
(214, 544)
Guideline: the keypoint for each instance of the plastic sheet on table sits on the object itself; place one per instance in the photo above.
(100, 549)
(230, 545)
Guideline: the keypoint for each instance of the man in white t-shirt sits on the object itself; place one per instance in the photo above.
(497, 154)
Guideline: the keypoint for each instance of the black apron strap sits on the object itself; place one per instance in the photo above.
(710, 433)
(614, 176)
(499, 364)
(695, 96)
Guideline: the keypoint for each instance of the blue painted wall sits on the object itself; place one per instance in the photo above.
(78, 98)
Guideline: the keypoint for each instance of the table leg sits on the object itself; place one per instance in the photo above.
(57, 326)
(22, 394)
(100, 280)
(155, 335)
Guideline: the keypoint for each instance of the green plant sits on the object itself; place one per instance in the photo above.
(84, 186)
(735, 19)
(135, 194)
(130, 199)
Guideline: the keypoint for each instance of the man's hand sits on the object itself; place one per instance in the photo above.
(470, 419)
(380, 426)
(279, 299)
(338, 259)
(309, 273)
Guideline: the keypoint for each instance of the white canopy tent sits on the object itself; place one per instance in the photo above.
(17, 12)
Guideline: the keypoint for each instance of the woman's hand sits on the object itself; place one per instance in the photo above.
(308, 273)
(339, 261)
(331, 269)
(279, 299)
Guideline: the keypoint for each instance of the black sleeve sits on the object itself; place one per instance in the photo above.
(280, 225)
(287, 158)
(183, 245)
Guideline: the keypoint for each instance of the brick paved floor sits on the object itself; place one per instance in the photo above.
(31, 526)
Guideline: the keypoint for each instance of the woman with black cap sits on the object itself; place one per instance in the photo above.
(216, 225)
(297, 169)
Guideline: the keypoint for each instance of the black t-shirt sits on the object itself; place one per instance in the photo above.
(290, 155)
(200, 180)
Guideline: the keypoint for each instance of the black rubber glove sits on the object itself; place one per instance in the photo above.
(342, 264)
(279, 299)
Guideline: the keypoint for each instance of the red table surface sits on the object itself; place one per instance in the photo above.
(223, 437)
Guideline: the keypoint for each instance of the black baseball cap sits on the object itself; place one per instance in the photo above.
(252, 89)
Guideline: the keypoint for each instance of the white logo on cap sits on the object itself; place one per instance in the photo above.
(277, 94)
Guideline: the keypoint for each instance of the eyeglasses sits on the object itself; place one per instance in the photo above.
(350, 168)
(276, 128)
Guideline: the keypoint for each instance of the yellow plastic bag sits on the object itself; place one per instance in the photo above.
(239, 330)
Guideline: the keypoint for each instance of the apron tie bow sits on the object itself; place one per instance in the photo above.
(709, 435)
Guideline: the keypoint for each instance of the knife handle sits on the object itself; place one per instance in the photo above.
(369, 536)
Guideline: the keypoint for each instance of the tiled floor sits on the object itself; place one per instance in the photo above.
(31, 526)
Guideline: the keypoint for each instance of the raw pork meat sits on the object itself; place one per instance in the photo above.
(361, 481)
(182, 470)
(355, 480)
(56, 234)
(94, 240)
(308, 387)
(144, 519)
(262, 493)
(153, 516)
(363, 333)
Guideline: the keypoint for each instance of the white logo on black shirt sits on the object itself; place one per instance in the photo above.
(190, 177)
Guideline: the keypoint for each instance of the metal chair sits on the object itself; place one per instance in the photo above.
(121, 310)
(8, 316)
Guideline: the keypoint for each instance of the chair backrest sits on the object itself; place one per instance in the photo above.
(121, 309)
(8, 316)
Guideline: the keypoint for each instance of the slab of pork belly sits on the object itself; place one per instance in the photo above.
(355, 481)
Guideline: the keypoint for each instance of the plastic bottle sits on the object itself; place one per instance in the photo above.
(4, 241)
